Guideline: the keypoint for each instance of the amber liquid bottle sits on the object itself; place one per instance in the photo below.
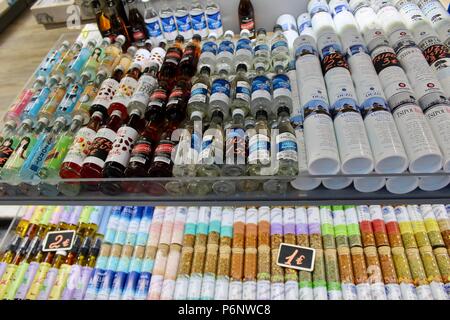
(103, 22)
(117, 20)
(168, 71)
(247, 17)
(189, 61)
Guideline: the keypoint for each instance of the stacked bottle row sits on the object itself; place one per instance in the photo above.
(361, 253)
(359, 106)
(139, 20)
(28, 272)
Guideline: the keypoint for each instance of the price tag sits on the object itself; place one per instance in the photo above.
(296, 257)
(59, 240)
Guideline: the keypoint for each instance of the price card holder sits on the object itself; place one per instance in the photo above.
(296, 257)
(59, 240)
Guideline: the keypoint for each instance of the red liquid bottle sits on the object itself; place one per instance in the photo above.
(71, 166)
(188, 64)
(100, 147)
(106, 92)
(119, 156)
(176, 106)
(125, 90)
(157, 104)
(137, 24)
(168, 71)
(247, 17)
(162, 163)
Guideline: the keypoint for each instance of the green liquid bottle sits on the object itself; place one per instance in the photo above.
(39, 278)
(98, 54)
(35, 221)
(19, 275)
(9, 144)
(52, 164)
(10, 171)
(44, 226)
(83, 222)
(8, 277)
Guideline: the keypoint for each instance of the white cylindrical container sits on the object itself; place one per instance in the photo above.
(369, 184)
(421, 147)
(304, 25)
(388, 16)
(402, 185)
(347, 28)
(315, 6)
(289, 25)
(438, 16)
(337, 183)
(387, 148)
(354, 149)
(337, 6)
(320, 140)
(434, 183)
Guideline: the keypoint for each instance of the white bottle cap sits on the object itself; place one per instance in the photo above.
(245, 32)
(433, 183)
(198, 114)
(229, 33)
(337, 183)
(369, 184)
(305, 183)
(402, 185)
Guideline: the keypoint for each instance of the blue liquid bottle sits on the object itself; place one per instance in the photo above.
(71, 97)
(52, 59)
(78, 63)
(33, 108)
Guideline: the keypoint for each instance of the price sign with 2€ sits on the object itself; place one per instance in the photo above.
(296, 257)
(59, 240)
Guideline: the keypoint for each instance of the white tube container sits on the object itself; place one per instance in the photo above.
(438, 16)
(320, 140)
(315, 6)
(337, 183)
(434, 183)
(421, 147)
(388, 16)
(304, 25)
(369, 184)
(402, 185)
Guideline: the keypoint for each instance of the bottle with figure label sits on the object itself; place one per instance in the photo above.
(61, 67)
(225, 54)
(198, 19)
(78, 62)
(261, 56)
(183, 20)
(33, 108)
(68, 103)
(153, 23)
(46, 68)
(241, 90)
(169, 26)
(200, 92)
(112, 55)
(208, 55)
(97, 56)
(213, 17)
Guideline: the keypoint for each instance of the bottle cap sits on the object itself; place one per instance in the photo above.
(277, 27)
(179, 38)
(217, 113)
(35, 246)
(212, 35)
(40, 80)
(106, 41)
(120, 39)
(84, 250)
(78, 44)
(245, 33)
(65, 44)
(132, 50)
(205, 69)
(61, 120)
(92, 42)
(242, 66)
(283, 109)
(29, 122)
(261, 112)
(197, 37)
(97, 114)
(355, 5)
(43, 120)
(136, 112)
(136, 65)
(24, 244)
(249, 122)
(116, 113)
(162, 43)
(101, 74)
(11, 124)
(61, 253)
(76, 244)
(54, 79)
(229, 33)
(197, 114)
(261, 31)
(78, 118)
(70, 77)
(238, 112)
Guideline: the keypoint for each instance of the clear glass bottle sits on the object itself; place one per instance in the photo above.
(279, 50)
(241, 90)
(153, 23)
(220, 95)
(92, 65)
(261, 94)
(198, 19)
(261, 57)
(244, 50)
(208, 55)
(213, 17)
(73, 93)
(282, 92)
(112, 56)
(146, 85)
(259, 146)
(78, 62)
(169, 26)
(33, 108)
(200, 92)
(62, 66)
(225, 54)
(183, 20)
(51, 60)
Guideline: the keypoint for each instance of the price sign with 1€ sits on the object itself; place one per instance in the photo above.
(296, 257)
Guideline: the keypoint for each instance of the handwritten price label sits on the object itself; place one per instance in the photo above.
(59, 240)
(296, 257)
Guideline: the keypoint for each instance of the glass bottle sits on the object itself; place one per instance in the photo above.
(177, 103)
(15, 111)
(87, 97)
(97, 56)
(62, 67)
(279, 50)
(158, 55)
(73, 161)
(44, 226)
(54, 160)
(146, 85)
(118, 25)
(137, 24)
(244, 50)
(10, 252)
(208, 53)
(78, 62)
(36, 218)
(187, 67)
(39, 278)
(125, 90)
(282, 92)
(220, 95)
(119, 156)
(169, 26)
(26, 212)
(261, 55)
(103, 21)
(112, 56)
(51, 60)
(37, 101)
(213, 17)
(200, 92)
(98, 152)
(8, 129)
(157, 104)
(168, 71)
(261, 94)
(183, 20)
(225, 53)
(153, 23)
(198, 19)
(259, 147)
(241, 90)
(247, 16)
(73, 93)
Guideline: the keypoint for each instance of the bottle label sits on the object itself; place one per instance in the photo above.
(244, 47)
(259, 149)
(72, 282)
(437, 55)
(163, 152)
(279, 45)
(21, 153)
(281, 86)
(168, 24)
(106, 93)
(248, 23)
(184, 23)
(198, 21)
(439, 120)
(6, 149)
(328, 43)
(56, 156)
(261, 49)
(157, 56)
(226, 46)
(125, 91)
(243, 90)
(261, 88)
(27, 280)
(153, 27)
(189, 54)
(80, 147)
(212, 149)
(47, 284)
(199, 93)
(141, 152)
(86, 99)
(235, 146)
(143, 90)
(287, 146)
(102, 144)
(142, 58)
(121, 148)
(220, 91)
(173, 56)
(214, 20)
(49, 63)
(37, 156)
(210, 47)
(138, 34)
